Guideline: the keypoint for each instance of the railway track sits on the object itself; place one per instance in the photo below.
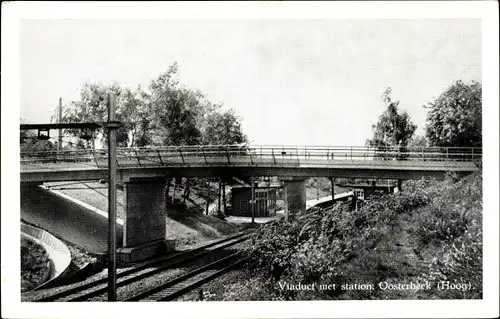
(126, 277)
(185, 283)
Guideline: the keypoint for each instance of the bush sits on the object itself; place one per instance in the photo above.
(302, 249)
(34, 264)
(447, 217)
(461, 262)
(345, 246)
(455, 220)
(254, 289)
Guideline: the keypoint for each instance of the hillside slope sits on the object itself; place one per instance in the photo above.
(400, 246)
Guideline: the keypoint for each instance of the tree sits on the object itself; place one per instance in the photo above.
(166, 113)
(454, 118)
(418, 141)
(223, 129)
(137, 115)
(28, 141)
(92, 108)
(394, 128)
(131, 109)
(175, 110)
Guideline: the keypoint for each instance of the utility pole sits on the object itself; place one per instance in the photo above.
(224, 197)
(285, 197)
(112, 126)
(218, 198)
(333, 190)
(59, 144)
(252, 201)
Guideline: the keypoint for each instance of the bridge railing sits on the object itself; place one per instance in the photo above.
(251, 155)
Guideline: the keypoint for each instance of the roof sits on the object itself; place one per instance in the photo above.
(365, 186)
(314, 202)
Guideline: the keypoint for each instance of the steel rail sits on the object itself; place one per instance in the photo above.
(169, 259)
(156, 270)
(163, 293)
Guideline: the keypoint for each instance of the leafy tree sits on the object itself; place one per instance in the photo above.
(394, 128)
(131, 109)
(223, 129)
(28, 141)
(136, 113)
(164, 114)
(175, 110)
(418, 141)
(454, 118)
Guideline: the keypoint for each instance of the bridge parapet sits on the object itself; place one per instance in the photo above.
(237, 155)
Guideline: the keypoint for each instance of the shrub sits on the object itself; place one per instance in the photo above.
(461, 262)
(34, 264)
(447, 217)
(253, 289)
(453, 222)
(342, 246)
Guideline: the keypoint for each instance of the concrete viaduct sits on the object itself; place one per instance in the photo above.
(143, 171)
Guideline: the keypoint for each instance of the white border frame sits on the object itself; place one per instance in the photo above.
(13, 12)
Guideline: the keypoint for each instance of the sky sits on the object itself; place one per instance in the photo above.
(292, 82)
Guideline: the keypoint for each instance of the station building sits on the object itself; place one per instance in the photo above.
(265, 201)
(365, 191)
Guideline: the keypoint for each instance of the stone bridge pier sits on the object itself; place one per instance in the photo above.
(295, 194)
(144, 221)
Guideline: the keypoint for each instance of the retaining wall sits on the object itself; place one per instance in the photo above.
(66, 219)
(58, 252)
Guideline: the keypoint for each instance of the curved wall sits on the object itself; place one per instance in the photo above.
(56, 249)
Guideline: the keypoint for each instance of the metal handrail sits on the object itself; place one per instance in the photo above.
(211, 154)
(255, 147)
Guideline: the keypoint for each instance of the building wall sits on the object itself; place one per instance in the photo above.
(369, 191)
(265, 204)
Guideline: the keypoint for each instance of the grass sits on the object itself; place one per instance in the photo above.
(185, 222)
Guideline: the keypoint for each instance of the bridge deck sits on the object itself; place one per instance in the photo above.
(213, 161)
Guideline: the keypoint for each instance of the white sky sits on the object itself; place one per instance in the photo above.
(291, 81)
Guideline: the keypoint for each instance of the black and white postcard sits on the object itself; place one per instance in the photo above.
(250, 159)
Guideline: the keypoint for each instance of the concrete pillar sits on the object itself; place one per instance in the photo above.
(295, 192)
(144, 219)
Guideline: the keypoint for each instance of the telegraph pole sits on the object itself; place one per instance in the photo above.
(285, 198)
(224, 196)
(112, 126)
(59, 144)
(252, 201)
(333, 190)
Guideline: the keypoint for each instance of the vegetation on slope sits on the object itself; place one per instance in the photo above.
(429, 233)
(35, 264)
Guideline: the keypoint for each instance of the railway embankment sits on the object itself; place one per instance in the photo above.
(422, 243)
